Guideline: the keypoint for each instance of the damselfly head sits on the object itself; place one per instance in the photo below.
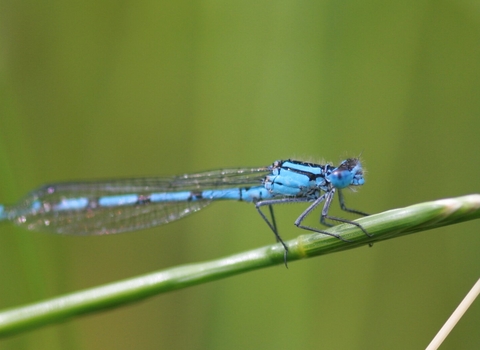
(348, 173)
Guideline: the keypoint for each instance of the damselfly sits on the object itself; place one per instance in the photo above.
(113, 206)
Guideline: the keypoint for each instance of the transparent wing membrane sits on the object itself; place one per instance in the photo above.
(45, 209)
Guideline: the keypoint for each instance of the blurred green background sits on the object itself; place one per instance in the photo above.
(119, 88)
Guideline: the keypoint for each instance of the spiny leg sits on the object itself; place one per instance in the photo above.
(344, 208)
(326, 207)
(273, 224)
(325, 197)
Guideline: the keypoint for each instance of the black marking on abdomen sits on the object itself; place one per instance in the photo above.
(195, 196)
(143, 200)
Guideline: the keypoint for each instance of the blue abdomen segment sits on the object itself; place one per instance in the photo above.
(112, 201)
(67, 204)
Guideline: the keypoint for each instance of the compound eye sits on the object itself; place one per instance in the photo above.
(341, 178)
